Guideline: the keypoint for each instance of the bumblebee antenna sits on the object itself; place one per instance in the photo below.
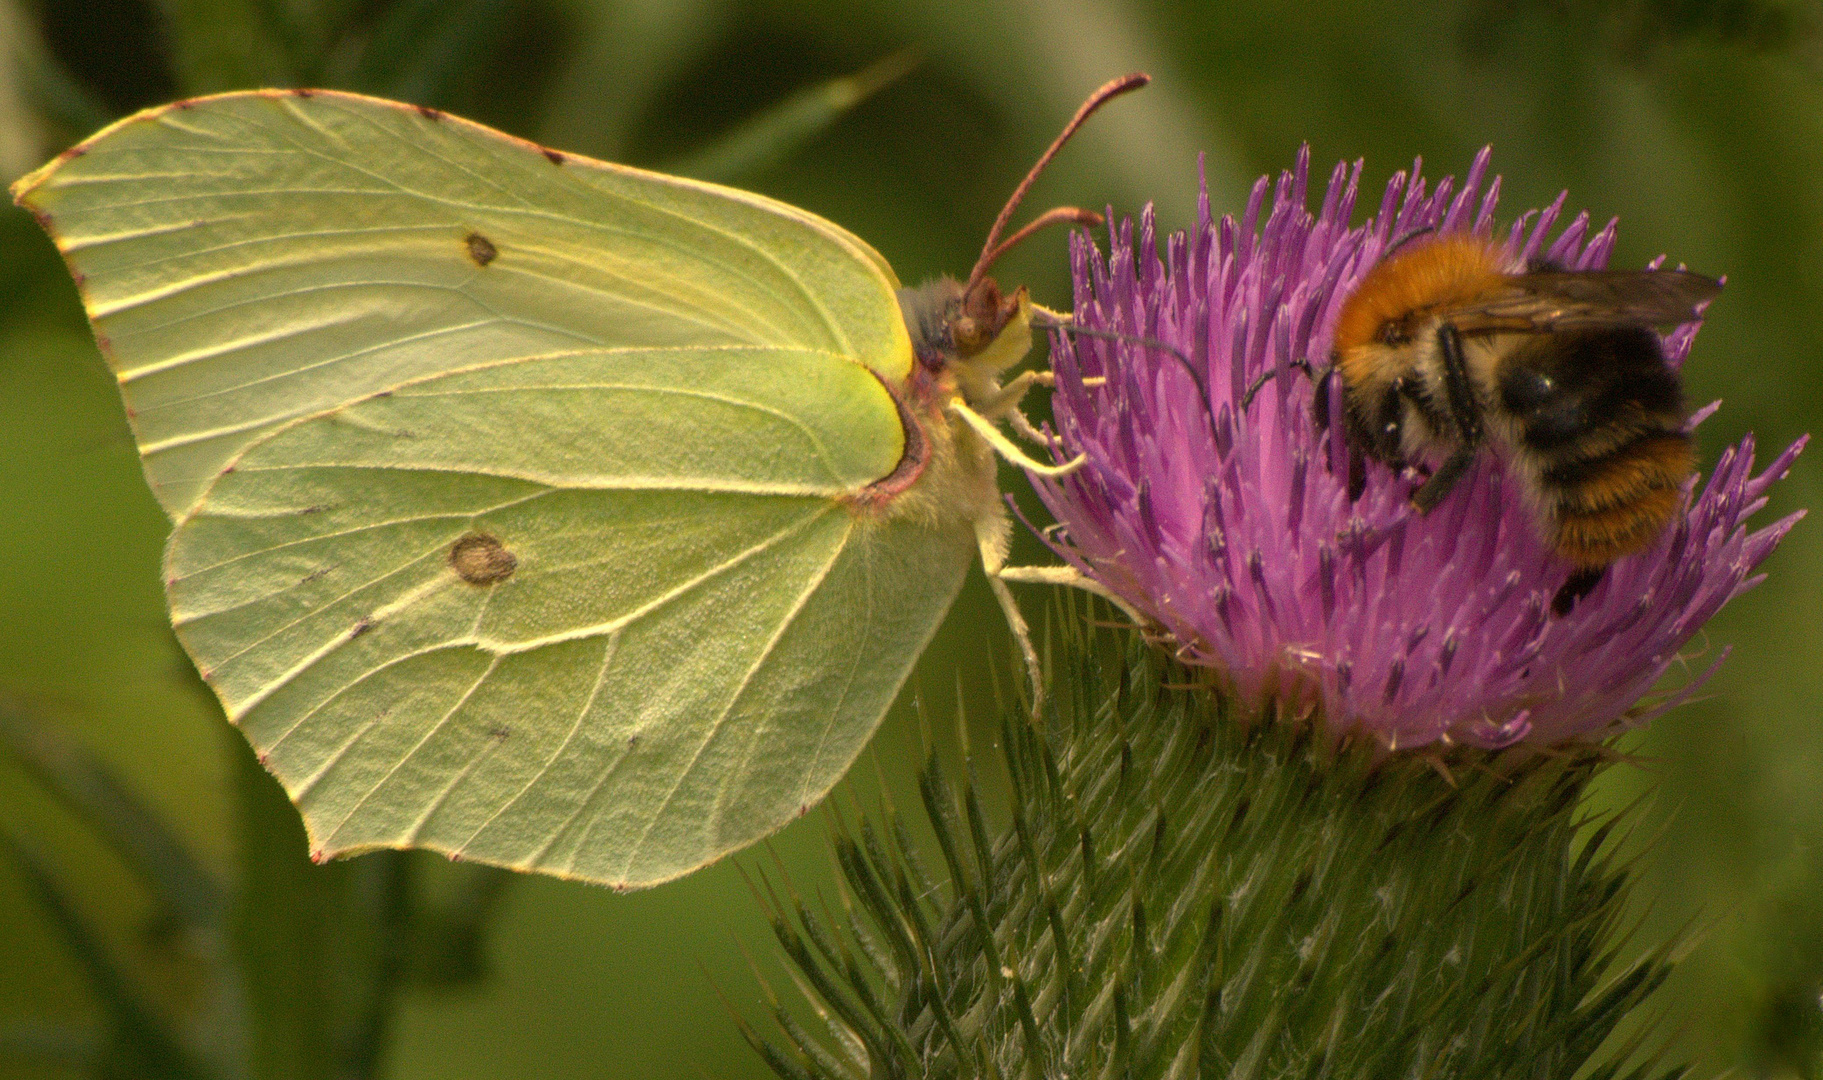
(1301, 363)
(1044, 322)
(1405, 238)
(993, 249)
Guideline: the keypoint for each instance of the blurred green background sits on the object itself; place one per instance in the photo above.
(1698, 122)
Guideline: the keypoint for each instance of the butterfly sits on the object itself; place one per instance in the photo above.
(544, 512)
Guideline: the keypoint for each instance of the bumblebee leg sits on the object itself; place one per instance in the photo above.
(1459, 395)
(1357, 475)
(1432, 491)
(1318, 378)
(1459, 392)
(1581, 584)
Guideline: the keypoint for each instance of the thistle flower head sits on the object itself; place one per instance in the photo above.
(1234, 532)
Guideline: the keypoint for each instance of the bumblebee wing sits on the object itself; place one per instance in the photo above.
(1586, 299)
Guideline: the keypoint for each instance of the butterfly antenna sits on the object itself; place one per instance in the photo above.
(993, 248)
(1074, 215)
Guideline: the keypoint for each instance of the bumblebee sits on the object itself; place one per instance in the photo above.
(1448, 346)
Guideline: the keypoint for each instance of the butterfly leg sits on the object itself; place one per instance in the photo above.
(1003, 403)
(1072, 577)
(1024, 428)
(1006, 399)
(991, 533)
(1006, 448)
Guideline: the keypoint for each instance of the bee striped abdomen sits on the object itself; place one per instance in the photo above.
(1604, 507)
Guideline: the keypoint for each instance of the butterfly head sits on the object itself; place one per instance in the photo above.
(977, 327)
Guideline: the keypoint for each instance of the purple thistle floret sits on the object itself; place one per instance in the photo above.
(1235, 534)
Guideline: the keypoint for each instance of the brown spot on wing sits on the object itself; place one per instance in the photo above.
(429, 113)
(481, 249)
(555, 157)
(481, 559)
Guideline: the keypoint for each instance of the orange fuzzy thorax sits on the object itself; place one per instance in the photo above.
(1430, 275)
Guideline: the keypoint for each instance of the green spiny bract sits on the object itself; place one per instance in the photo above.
(1182, 895)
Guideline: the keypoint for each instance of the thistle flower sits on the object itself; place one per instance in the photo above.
(1234, 532)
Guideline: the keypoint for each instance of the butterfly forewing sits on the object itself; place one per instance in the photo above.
(513, 490)
(253, 258)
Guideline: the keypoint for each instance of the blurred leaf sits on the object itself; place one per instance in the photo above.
(67, 769)
(22, 140)
(307, 31)
(776, 133)
(31, 1041)
(449, 938)
(421, 49)
(1789, 1039)
(118, 51)
(378, 916)
(627, 52)
(52, 91)
(280, 924)
(222, 45)
(1634, 29)
(143, 1044)
(324, 948)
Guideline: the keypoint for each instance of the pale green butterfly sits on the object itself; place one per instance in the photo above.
(543, 512)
